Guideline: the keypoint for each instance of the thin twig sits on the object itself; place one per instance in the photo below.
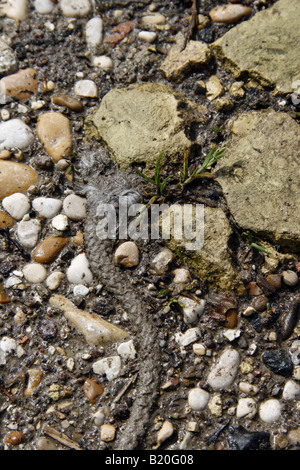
(193, 24)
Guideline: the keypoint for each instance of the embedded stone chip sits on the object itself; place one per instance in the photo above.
(127, 255)
(55, 134)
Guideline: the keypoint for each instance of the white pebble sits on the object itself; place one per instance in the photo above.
(198, 399)
(161, 261)
(110, 366)
(127, 350)
(81, 290)
(189, 336)
(290, 278)
(231, 334)
(34, 273)
(28, 231)
(75, 207)
(199, 349)
(17, 205)
(154, 19)
(246, 407)
(270, 410)
(15, 9)
(223, 373)
(43, 7)
(99, 417)
(181, 276)
(75, 8)
(15, 134)
(147, 36)
(291, 390)
(79, 272)
(46, 206)
(54, 279)
(103, 62)
(192, 309)
(7, 346)
(86, 89)
(60, 222)
(94, 31)
(248, 388)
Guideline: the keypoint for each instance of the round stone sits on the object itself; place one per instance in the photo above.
(223, 373)
(43, 7)
(147, 36)
(75, 207)
(34, 273)
(46, 206)
(291, 390)
(198, 399)
(103, 62)
(28, 231)
(17, 205)
(290, 278)
(94, 31)
(75, 8)
(127, 255)
(15, 134)
(86, 89)
(229, 13)
(270, 410)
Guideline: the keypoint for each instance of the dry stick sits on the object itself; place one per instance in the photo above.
(193, 24)
(60, 437)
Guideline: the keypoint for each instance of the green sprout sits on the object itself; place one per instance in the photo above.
(202, 171)
(156, 181)
(255, 245)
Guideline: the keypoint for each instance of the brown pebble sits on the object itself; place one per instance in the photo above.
(15, 178)
(274, 280)
(48, 250)
(14, 438)
(231, 318)
(4, 298)
(92, 390)
(55, 133)
(78, 239)
(20, 85)
(5, 154)
(69, 102)
(260, 303)
(5, 220)
(253, 289)
(290, 318)
(229, 13)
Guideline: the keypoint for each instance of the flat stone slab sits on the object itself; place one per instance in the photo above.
(140, 122)
(260, 176)
(266, 47)
(212, 262)
(182, 60)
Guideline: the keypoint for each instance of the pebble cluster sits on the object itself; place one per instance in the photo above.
(48, 233)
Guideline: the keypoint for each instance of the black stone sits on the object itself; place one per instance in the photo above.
(279, 362)
(241, 439)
